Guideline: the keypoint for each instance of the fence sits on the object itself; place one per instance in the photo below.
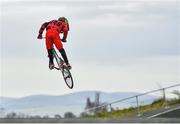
(136, 99)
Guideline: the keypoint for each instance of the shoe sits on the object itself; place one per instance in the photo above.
(51, 66)
(68, 66)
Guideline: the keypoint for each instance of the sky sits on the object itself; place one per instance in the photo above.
(112, 45)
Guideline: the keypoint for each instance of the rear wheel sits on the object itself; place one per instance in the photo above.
(67, 77)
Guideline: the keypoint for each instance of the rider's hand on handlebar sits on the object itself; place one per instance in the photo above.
(64, 40)
(39, 36)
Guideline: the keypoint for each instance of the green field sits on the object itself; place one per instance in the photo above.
(160, 103)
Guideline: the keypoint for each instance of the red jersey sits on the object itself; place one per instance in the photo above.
(57, 25)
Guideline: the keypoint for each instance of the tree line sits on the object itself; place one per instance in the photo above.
(89, 104)
(22, 115)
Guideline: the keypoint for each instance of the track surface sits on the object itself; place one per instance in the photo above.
(167, 112)
(97, 120)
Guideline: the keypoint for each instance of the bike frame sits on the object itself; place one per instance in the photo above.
(58, 59)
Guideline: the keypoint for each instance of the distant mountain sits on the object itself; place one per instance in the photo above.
(74, 102)
(6, 99)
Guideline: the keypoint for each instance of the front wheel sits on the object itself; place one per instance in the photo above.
(67, 77)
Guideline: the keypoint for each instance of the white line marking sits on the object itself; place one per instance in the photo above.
(163, 112)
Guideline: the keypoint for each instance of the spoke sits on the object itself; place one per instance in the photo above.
(67, 77)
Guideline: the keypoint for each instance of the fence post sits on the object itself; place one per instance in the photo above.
(164, 98)
(138, 109)
(110, 107)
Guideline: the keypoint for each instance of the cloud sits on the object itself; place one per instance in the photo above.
(142, 74)
(110, 38)
(138, 27)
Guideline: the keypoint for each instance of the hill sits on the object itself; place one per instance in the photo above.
(50, 105)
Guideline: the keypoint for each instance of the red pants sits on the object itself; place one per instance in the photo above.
(52, 37)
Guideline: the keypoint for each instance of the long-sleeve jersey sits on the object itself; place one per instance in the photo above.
(57, 25)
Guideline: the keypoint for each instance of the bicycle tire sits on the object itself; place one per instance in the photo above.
(67, 77)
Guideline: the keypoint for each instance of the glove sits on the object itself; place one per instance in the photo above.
(64, 40)
(39, 36)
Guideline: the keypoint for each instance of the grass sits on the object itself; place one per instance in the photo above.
(157, 104)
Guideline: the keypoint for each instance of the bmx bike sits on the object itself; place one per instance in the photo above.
(60, 65)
